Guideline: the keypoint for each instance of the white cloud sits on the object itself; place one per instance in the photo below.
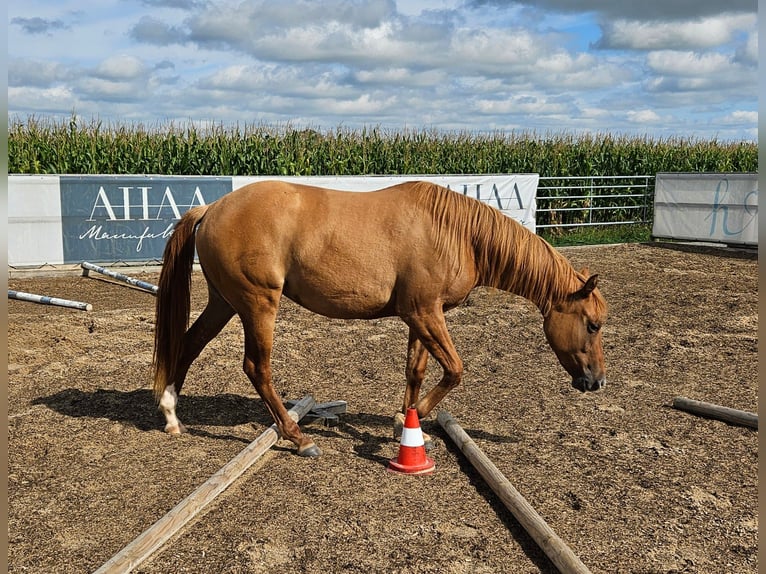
(245, 80)
(594, 113)
(418, 7)
(748, 52)
(716, 74)
(154, 31)
(50, 100)
(363, 105)
(493, 50)
(293, 29)
(740, 117)
(524, 105)
(104, 90)
(687, 63)
(658, 35)
(35, 73)
(120, 67)
(582, 72)
(643, 116)
(401, 76)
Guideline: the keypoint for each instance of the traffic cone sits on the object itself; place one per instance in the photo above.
(412, 457)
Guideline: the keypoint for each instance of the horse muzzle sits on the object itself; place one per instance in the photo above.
(586, 383)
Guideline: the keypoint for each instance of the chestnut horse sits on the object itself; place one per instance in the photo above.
(413, 250)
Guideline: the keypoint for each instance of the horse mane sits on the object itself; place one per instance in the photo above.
(505, 254)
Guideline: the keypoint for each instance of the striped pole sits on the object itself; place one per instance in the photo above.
(119, 276)
(45, 300)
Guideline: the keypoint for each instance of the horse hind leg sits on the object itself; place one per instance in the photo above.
(258, 324)
(211, 321)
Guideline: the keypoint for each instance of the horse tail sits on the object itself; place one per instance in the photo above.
(174, 298)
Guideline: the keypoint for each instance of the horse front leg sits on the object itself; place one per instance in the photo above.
(428, 334)
(431, 330)
(259, 333)
(417, 360)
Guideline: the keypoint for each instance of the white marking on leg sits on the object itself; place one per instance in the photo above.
(168, 407)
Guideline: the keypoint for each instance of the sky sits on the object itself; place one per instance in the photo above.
(654, 68)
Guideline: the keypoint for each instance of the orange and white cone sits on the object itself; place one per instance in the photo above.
(412, 457)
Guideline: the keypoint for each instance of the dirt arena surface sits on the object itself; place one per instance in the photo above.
(629, 483)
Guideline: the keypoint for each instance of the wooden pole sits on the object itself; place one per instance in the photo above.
(161, 531)
(555, 548)
(119, 276)
(734, 416)
(45, 300)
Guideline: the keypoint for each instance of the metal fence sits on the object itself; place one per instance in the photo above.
(581, 201)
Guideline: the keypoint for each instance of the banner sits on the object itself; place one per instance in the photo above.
(115, 218)
(34, 220)
(716, 207)
(124, 218)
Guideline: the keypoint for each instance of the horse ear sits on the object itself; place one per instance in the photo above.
(590, 285)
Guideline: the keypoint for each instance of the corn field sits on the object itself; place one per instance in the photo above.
(73, 146)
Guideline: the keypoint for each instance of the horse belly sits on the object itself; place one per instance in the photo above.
(342, 294)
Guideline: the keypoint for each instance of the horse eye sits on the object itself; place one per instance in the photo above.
(593, 328)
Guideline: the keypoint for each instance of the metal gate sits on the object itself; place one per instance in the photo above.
(582, 201)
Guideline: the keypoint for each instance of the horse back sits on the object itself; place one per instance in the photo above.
(339, 253)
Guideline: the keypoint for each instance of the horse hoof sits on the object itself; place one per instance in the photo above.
(428, 442)
(175, 429)
(311, 451)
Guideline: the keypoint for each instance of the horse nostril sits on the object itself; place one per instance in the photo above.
(594, 384)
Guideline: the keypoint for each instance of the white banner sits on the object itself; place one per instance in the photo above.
(34, 220)
(715, 207)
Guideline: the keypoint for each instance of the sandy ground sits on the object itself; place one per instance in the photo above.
(628, 482)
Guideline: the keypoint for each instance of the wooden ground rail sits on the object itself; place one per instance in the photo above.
(555, 549)
(726, 414)
(163, 530)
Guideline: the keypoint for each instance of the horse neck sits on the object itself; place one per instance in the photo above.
(512, 258)
(506, 255)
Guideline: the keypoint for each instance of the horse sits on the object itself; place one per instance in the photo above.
(413, 250)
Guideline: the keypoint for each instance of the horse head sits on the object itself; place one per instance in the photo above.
(573, 330)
